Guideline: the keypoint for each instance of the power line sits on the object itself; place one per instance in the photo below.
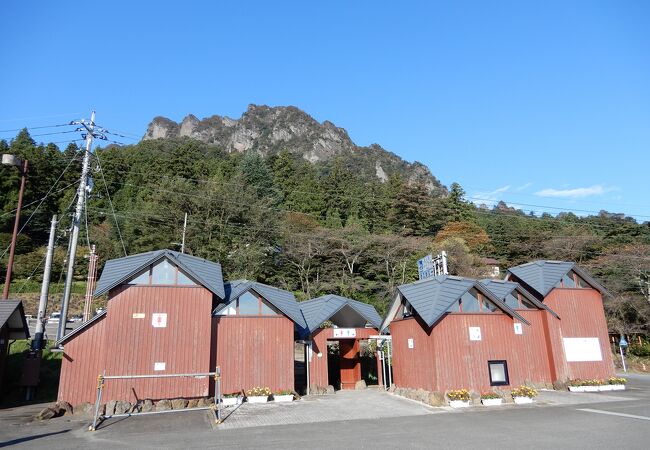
(36, 128)
(110, 202)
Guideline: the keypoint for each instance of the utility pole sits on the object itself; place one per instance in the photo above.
(184, 229)
(37, 343)
(90, 283)
(11, 160)
(81, 200)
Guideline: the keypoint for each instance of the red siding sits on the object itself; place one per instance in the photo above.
(131, 346)
(582, 314)
(318, 375)
(82, 362)
(254, 351)
(444, 357)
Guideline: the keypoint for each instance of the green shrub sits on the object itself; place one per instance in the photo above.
(642, 349)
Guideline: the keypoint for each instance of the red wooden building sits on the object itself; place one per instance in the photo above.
(157, 321)
(170, 313)
(579, 342)
(452, 332)
(348, 323)
(255, 329)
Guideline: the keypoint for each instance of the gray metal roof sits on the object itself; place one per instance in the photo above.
(117, 271)
(13, 315)
(82, 327)
(432, 297)
(501, 289)
(318, 310)
(542, 276)
(283, 300)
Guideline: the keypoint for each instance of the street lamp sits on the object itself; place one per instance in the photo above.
(12, 160)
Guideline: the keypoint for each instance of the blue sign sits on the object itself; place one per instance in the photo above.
(425, 267)
(623, 342)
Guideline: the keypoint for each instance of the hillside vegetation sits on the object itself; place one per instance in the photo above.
(327, 226)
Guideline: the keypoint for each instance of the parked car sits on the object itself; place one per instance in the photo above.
(54, 317)
(77, 318)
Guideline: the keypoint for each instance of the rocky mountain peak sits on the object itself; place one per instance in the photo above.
(268, 130)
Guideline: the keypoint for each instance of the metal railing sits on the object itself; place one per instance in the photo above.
(214, 408)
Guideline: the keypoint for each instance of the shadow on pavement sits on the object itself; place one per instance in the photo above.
(30, 438)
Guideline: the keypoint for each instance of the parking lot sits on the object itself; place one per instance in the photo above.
(363, 419)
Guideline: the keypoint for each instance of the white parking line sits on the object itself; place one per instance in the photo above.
(629, 416)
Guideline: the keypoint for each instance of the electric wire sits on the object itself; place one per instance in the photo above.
(36, 128)
(110, 202)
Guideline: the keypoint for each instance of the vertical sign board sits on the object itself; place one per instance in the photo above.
(518, 328)
(159, 366)
(425, 267)
(410, 342)
(474, 333)
(345, 333)
(159, 320)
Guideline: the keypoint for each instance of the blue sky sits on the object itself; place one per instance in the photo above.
(538, 103)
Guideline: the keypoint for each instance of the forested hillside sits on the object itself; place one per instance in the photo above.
(311, 227)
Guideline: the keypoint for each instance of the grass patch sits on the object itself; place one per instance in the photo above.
(46, 391)
(34, 286)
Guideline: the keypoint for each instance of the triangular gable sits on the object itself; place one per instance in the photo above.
(118, 271)
(318, 310)
(431, 298)
(12, 314)
(542, 276)
(282, 300)
(502, 288)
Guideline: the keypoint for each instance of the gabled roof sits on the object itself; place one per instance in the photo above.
(432, 297)
(117, 271)
(13, 315)
(318, 310)
(94, 319)
(501, 289)
(283, 300)
(543, 275)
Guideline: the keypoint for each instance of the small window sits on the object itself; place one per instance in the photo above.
(268, 310)
(249, 305)
(455, 307)
(512, 301)
(582, 283)
(488, 306)
(228, 310)
(469, 302)
(408, 309)
(163, 273)
(567, 281)
(184, 279)
(142, 278)
(498, 373)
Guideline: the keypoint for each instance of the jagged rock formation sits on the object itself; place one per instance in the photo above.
(268, 130)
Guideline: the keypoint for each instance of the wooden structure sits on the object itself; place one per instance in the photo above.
(254, 331)
(452, 332)
(157, 320)
(349, 322)
(13, 325)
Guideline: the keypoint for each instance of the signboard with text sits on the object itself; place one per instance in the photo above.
(345, 333)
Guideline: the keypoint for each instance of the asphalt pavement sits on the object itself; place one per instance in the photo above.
(561, 420)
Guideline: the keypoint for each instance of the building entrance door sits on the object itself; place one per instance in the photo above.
(350, 365)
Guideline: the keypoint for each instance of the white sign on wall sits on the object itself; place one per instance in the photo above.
(159, 366)
(518, 328)
(410, 342)
(474, 333)
(582, 349)
(159, 320)
(345, 332)
(138, 315)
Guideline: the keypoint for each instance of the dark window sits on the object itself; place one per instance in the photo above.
(498, 371)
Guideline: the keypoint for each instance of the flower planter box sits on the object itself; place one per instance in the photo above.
(283, 398)
(257, 399)
(459, 403)
(231, 401)
(617, 387)
(492, 401)
(577, 388)
(523, 400)
(605, 387)
(592, 388)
